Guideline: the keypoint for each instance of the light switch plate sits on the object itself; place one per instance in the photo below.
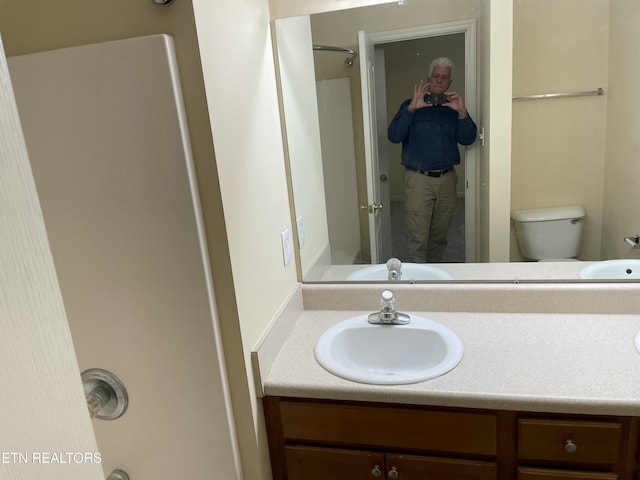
(300, 227)
(285, 236)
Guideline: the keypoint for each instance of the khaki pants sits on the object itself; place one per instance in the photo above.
(429, 207)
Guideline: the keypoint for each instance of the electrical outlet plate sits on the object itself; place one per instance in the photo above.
(285, 236)
(300, 228)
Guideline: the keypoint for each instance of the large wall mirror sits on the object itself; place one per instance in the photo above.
(557, 138)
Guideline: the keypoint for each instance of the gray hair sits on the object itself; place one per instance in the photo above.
(441, 62)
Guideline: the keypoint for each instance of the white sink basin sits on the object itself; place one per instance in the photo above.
(410, 271)
(612, 270)
(356, 350)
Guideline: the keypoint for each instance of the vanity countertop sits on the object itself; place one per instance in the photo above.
(544, 362)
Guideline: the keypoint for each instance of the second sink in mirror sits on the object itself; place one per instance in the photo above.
(622, 269)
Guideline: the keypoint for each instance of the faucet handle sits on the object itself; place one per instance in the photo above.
(388, 314)
(394, 264)
(388, 301)
(394, 267)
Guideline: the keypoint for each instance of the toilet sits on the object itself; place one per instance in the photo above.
(549, 234)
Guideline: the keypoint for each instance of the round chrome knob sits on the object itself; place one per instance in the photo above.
(376, 472)
(393, 474)
(373, 208)
(570, 447)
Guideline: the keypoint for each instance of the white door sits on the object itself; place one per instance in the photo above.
(383, 154)
(374, 204)
(44, 411)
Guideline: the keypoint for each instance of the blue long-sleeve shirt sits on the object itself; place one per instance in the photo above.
(430, 136)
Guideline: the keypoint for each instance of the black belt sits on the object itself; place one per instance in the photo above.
(430, 173)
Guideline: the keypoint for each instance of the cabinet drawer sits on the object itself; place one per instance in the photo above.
(554, 474)
(390, 427)
(569, 441)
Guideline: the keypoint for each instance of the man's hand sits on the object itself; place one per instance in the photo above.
(455, 103)
(419, 91)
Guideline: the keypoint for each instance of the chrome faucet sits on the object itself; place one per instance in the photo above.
(394, 267)
(633, 240)
(388, 314)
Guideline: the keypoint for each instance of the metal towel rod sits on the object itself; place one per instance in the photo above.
(328, 48)
(586, 93)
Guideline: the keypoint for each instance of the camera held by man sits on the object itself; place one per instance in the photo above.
(436, 98)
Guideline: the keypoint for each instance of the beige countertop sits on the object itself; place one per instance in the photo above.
(546, 362)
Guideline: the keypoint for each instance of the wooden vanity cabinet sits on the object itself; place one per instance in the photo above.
(312, 440)
(321, 439)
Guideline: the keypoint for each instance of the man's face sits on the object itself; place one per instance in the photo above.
(440, 80)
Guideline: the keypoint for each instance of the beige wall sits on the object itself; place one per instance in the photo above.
(621, 210)
(559, 144)
(495, 159)
(241, 97)
(302, 133)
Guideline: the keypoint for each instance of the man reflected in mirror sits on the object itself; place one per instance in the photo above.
(430, 125)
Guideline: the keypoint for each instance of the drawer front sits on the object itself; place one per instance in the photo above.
(390, 427)
(554, 474)
(569, 441)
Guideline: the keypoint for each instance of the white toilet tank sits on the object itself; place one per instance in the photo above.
(545, 233)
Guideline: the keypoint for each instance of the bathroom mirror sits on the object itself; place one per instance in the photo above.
(539, 150)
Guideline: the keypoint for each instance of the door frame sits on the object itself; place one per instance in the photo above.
(468, 28)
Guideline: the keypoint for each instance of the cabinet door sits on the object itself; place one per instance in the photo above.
(313, 463)
(413, 467)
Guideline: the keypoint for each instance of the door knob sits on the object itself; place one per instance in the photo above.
(371, 208)
(383, 177)
(376, 472)
(393, 474)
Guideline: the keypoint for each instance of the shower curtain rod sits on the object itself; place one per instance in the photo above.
(328, 48)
